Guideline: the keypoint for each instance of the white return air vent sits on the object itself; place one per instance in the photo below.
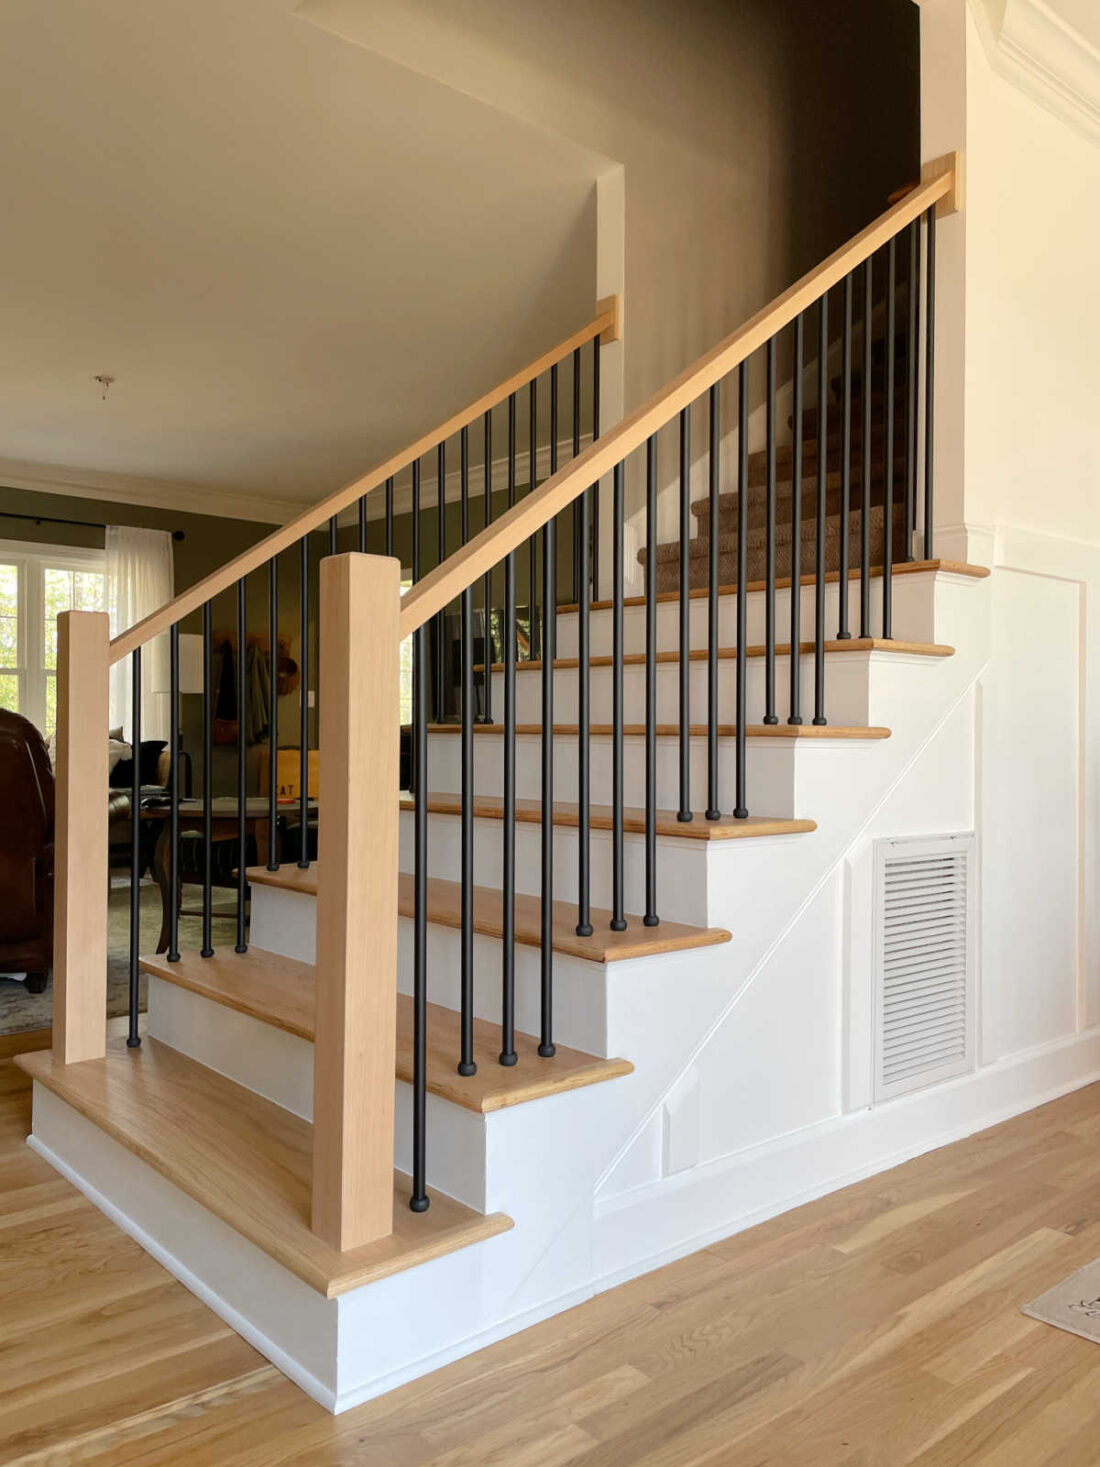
(924, 962)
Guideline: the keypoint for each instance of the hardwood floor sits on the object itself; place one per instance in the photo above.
(880, 1325)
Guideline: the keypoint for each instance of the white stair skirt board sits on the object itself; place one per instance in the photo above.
(340, 1351)
(640, 1229)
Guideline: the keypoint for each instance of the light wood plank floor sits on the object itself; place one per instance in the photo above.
(877, 1326)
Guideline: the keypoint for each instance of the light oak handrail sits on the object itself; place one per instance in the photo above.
(604, 325)
(486, 549)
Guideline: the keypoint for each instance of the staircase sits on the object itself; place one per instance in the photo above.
(374, 1134)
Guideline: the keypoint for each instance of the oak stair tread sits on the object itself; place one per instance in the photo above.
(782, 649)
(902, 568)
(489, 807)
(281, 992)
(247, 1161)
(445, 910)
(672, 731)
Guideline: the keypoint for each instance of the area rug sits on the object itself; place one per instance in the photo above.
(1073, 1305)
(21, 1011)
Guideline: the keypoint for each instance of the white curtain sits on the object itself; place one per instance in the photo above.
(139, 580)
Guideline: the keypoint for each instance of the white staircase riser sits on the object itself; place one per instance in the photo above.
(913, 612)
(771, 771)
(680, 865)
(286, 923)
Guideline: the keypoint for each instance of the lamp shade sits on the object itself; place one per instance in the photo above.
(190, 665)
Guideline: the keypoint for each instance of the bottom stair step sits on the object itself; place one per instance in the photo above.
(246, 1160)
(280, 991)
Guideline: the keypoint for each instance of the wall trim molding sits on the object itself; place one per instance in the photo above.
(1045, 57)
(164, 494)
(738, 1191)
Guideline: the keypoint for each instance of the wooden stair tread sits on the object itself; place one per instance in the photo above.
(902, 568)
(281, 992)
(444, 910)
(782, 649)
(246, 1160)
(672, 731)
(488, 807)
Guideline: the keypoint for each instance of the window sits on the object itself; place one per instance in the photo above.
(35, 585)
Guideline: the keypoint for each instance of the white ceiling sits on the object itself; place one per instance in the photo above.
(292, 254)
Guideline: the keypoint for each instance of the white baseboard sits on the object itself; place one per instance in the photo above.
(665, 1220)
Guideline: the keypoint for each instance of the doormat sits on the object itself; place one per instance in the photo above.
(1074, 1304)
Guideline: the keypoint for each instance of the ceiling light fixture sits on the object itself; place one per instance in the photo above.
(104, 379)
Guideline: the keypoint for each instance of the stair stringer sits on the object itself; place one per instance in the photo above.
(766, 907)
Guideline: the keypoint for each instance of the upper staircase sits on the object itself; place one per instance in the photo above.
(371, 1130)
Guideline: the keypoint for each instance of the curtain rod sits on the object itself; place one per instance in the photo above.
(52, 519)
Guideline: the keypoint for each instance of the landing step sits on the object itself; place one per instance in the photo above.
(281, 992)
(247, 1161)
(902, 568)
(782, 649)
(445, 910)
(529, 812)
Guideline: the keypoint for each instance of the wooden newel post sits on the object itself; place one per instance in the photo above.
(360, 718)
(80, 838)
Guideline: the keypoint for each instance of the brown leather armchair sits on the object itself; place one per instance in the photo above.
(26, 851)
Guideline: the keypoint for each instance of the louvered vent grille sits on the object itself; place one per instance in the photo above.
(925, 946)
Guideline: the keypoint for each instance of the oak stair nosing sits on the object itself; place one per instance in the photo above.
(757, 650)
(726, 827)
(783, 583)
(445, 910)
(282, 992)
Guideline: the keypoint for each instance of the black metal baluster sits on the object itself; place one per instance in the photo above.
(713, 809)
(618, 920)
(419, 1200)
(332, 535)
(912, 382)
(416, 521)
(173, 795)
(865, 457)
(389, 516)
(584, 750)
(576, 450)
(769, 552)
(549, 642)
(740, 809)
(207, 779)
(487, 626)
(888, 486)
(303, 718)
(822, 509)
(683, 814)
(508, 1054)
(534, 630)
(362, 524)
(440, 557)
(795, 714)
(929, 382)
(133, 1038)
(273, 713)
(242, 764)
(466, 1065)
(843, 634)
(596, 486)
(651, 918)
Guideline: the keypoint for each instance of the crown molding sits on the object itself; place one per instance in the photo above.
(155, 493)
(1032, 47)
